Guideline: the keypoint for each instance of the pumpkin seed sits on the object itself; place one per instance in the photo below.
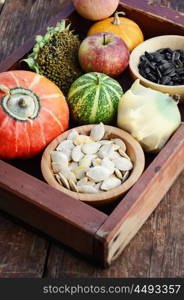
(120, 143)
(118, 173)
(89, 189)
(123, 164)
(91, 148)
(98, 173)
(110, 183)
(106, 151)
(82, 181)
(72, 135)
(125, 176)
(80, 171)
(82, 139)
(107, 163)
(59, 166)
(73, 165)
(88, 164)
(96, 162)
(123, 154)
(73, 186)
(65, 145)
(97, 132)
(58, 179)
(64, 181)
(77, 154)
(58, 157)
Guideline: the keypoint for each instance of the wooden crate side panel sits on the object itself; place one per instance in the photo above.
(142, 199)
(155, 10)
(12, 59)
(70, 221)
(153, 24)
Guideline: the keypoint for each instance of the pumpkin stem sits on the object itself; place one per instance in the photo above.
(104, 41)
(98, 79)
(23, 103)
(116, 20)
(177, 98)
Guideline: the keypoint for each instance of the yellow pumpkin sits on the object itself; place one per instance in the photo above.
(123, 27)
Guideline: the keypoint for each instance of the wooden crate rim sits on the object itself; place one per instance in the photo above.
(103, 227)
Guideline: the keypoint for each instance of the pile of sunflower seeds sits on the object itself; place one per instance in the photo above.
(91, 163)
(164, 66)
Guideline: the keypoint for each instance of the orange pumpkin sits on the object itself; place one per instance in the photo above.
(123, 27)
(33, 111)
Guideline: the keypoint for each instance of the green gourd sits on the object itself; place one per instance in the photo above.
(94, 98)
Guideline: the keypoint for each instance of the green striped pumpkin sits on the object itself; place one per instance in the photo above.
(94, 98)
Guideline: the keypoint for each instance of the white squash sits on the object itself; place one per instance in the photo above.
(148, 115)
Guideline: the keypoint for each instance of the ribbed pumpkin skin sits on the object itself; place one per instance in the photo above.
(127, 30)
(24, 139)
(91, 102)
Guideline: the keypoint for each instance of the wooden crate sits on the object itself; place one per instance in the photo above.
(98, 233)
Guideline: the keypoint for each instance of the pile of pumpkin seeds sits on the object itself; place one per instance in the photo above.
(164, 66)
(91, 163)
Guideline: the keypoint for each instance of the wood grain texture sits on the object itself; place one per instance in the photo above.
(22, 252)
(156, 251)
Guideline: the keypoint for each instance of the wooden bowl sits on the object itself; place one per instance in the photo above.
(134, 150)
(165, 41)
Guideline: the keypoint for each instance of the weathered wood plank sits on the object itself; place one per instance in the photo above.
(157, 248)
(26, 18)
(174, 4)
(156, 251)
(22, 252)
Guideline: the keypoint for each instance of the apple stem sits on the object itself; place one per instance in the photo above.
(116, 20)
(104, 41)
(98, 79)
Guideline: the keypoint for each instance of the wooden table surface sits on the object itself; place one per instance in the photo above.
(158, 248)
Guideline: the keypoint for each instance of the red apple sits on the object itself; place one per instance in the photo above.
(95, 9)
(105, 53)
